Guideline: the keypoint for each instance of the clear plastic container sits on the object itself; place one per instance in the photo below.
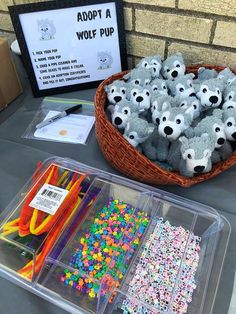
(65, 270)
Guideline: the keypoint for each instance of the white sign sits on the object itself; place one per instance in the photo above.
(72, 45)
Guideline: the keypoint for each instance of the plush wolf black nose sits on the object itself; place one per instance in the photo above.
(193, 94)
(117, 98)
(199, 169)
(234, 135)
(168, 130)
(213, 99)
(139, 99)
(220, 141)
(118, 121)
(157, 120)
(174, 73)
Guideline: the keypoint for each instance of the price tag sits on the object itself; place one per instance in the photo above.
(49, 198)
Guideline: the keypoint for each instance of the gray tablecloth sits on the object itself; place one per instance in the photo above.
(18, 159)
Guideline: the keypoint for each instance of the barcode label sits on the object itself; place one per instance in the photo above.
(49, 198)
(53, 195)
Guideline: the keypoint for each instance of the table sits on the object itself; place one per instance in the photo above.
(18, 159)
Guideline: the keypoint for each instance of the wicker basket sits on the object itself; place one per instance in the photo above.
(124, 157)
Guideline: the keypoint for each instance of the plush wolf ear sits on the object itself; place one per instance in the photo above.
(191, 76)
(165, 106)
(151, 128)
(190, 111)
(183, 140)
(127, 76)
(106, 88)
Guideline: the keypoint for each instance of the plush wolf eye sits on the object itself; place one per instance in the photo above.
(154, 107)
(112, 90)
(178, 121)
(218, 92)
(145, 64)
(164, 87)
(164, 119)
(204, 90)
(167, 70)
(230, 107)
(230, 97)
(134, 93)
(217, 129)
(136, 82)
(147, 93)
(189, 156)
(181, 89)
(155, 88)
(177, 65)
(229, 124)
(194, 107)
(123, 91)
(131, 137)
(190, 84)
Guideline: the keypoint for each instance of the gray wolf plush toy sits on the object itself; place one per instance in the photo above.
(173, 67)
(229, 97)
(153, 64)
(214, 127)
(138, 77)
(116, 91)
(191, 156)
(229, 119)
(137, 131)
(182, 86)
(122, 112)
(210, 93)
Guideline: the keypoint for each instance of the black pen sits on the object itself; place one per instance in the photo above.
(58, 116)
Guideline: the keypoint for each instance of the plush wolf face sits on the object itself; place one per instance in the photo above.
(140, 96)
(210, 93)
(159, 87)
(174, 121)
(196, 152)
(182, 86)
(229, 97)
(116, 91)
(153, 63)
(138, 77)
(122, 112)
(46, 28)
(138, 131)
(105, 59)
(229, 119)
(173, 67)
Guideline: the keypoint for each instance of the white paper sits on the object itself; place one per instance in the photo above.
(49, 198)
(74, 128)
(67, 45)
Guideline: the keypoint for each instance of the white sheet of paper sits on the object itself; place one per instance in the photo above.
(74, 128)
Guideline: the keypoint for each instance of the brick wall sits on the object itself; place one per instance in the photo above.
(203, 30)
